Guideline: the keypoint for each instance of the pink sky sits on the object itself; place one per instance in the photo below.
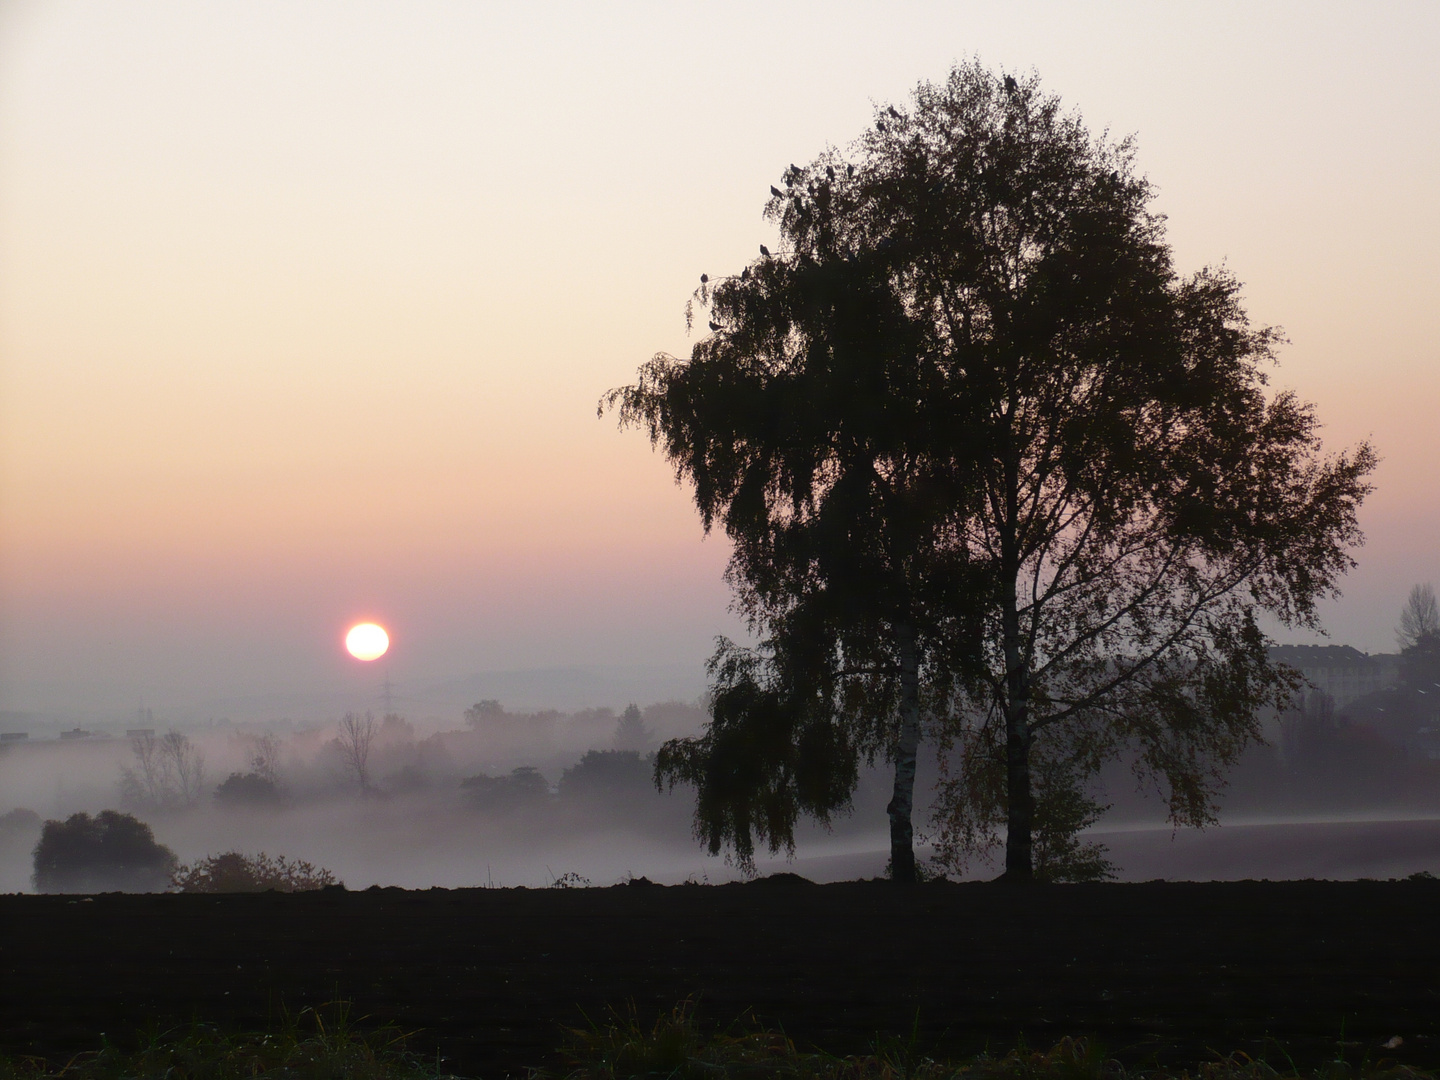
(305, 307)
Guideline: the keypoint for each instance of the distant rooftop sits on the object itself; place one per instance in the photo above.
(1326, 656)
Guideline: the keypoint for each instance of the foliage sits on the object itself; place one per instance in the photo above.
(169, 772)
(247, 789)
(234, 872)
(762, 760)
(320, 1044)
(108, 852)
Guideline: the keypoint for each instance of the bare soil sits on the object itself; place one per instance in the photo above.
(490, 977)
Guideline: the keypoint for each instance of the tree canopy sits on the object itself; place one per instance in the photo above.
(993, 468)
(110, 851)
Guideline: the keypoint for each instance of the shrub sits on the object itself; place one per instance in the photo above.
(247, 789)
(109, 852)
(234, 872)
(524, 786)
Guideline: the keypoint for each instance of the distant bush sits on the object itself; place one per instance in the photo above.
(247, 789)
(109, 852)
(235, 872)
(609, 773)
(523, 786)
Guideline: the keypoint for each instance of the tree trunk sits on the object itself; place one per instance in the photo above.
(1020, 804)
(902, 803)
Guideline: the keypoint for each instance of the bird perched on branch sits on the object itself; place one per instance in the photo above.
(830, 172)
(764, 251)
(891, 110)
(714, 326)
(1011, 85)
(704, 278)
(776, 192)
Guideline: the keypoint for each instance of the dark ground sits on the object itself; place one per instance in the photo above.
(1168, 972)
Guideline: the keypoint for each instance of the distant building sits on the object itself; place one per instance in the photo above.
(1343, 673)
(75, 733)
(13, 736)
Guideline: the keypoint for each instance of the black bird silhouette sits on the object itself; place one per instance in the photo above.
(704, 278)
(849, 170)
(764, 251)
(891, 110)
(830, 171)
(776, 192)
(795, 169)
(1011, 85)
(880, 125)
(745, 274)
(714, 325)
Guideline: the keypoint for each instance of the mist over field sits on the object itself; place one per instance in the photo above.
(502, 797)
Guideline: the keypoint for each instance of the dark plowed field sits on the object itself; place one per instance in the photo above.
(1167, 971)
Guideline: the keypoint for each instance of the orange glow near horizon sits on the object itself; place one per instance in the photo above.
(367, 641)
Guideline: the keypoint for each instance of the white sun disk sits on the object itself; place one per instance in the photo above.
(367, 641)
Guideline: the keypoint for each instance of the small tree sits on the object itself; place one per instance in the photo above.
(1420, 619)
(169, 771)
(185, 764)
(1419, 638)
(632, 733)
(109, 852)
(483, 713)
(357, 735)
(265, 757)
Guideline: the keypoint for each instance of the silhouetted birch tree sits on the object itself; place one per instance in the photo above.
(987, 459)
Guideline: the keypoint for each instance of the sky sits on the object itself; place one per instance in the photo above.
(305, 307)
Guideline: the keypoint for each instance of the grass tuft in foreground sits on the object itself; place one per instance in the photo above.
(674, 1048)
(327, 1045)
(312, 1045)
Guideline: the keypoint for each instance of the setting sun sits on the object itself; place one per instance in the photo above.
(367, 641)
